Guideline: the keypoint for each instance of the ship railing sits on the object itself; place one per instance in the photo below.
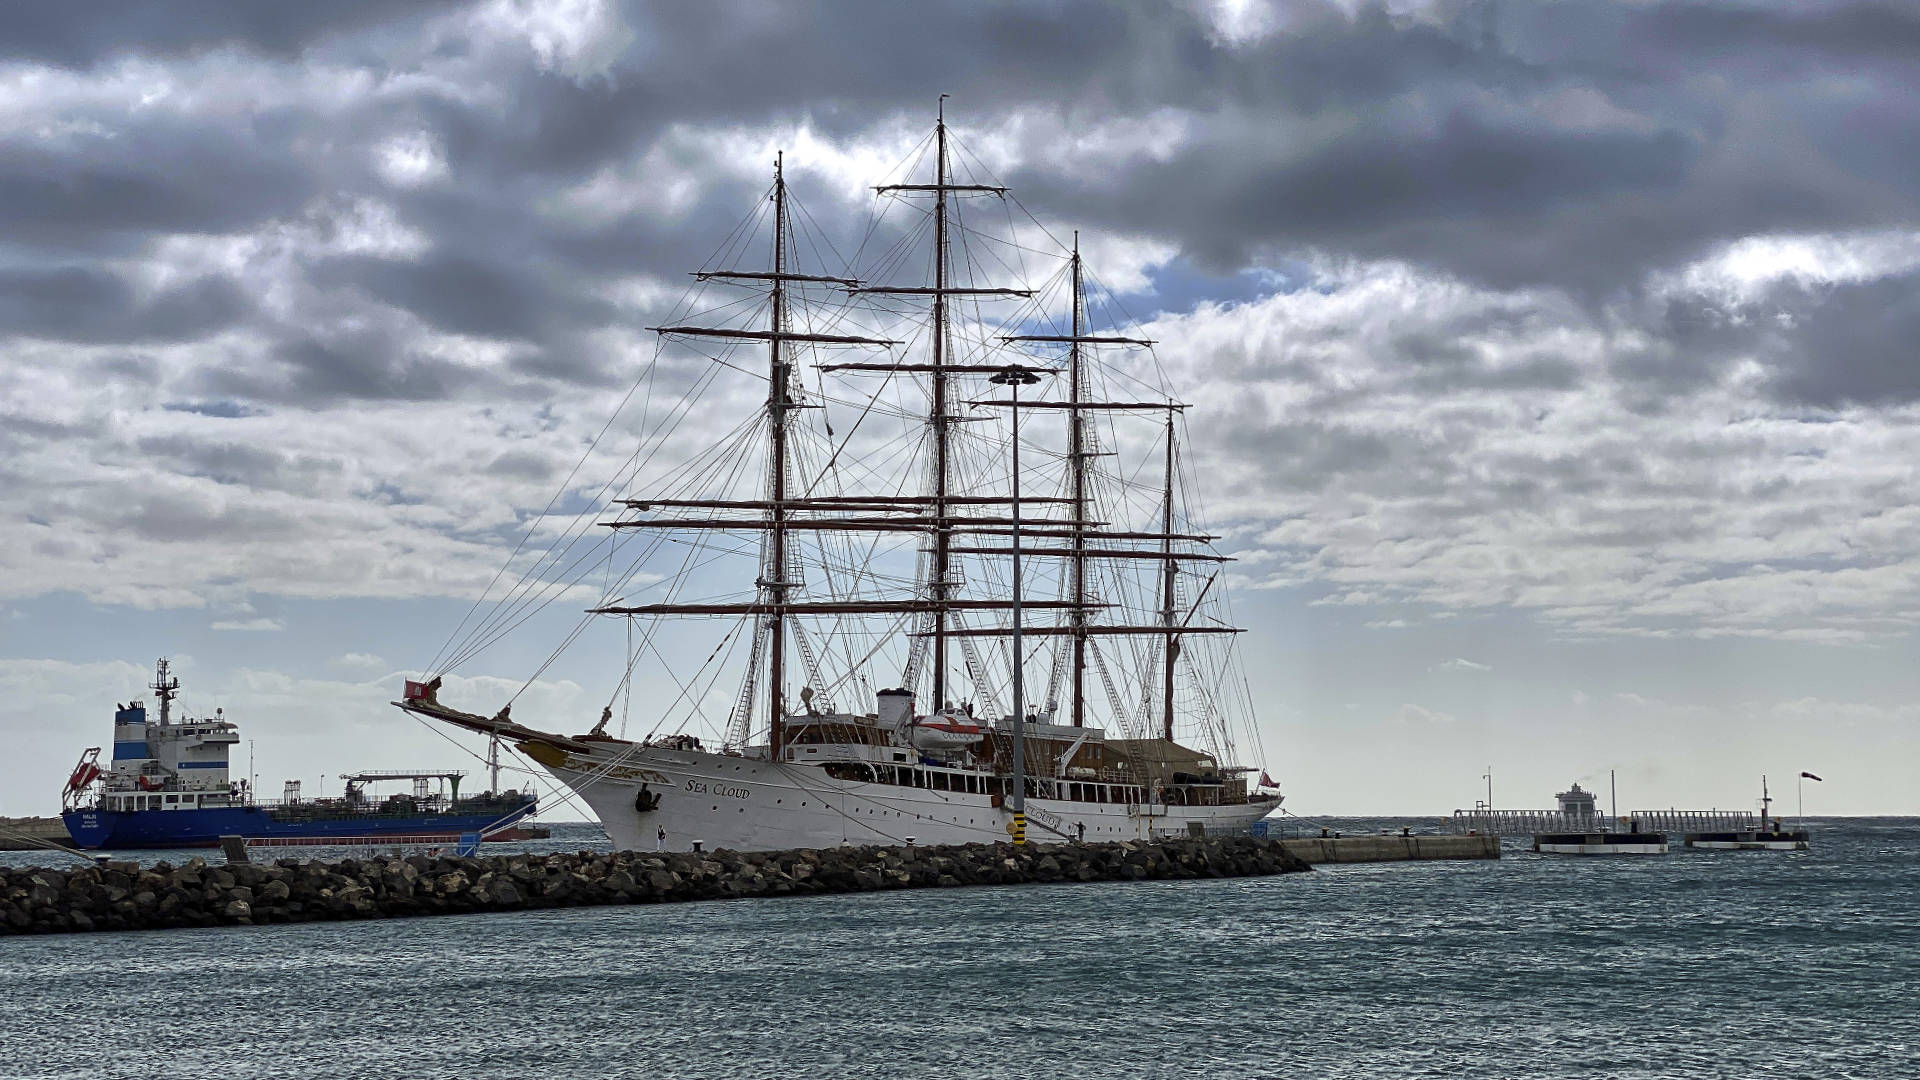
(1697, 821)
(1530, 822)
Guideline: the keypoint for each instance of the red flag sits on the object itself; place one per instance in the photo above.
(1810, 776)
(1265, 780)
(414, 691)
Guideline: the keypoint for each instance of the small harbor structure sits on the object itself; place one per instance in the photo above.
(1601, 843)
(1766, 835)
(1576, 826)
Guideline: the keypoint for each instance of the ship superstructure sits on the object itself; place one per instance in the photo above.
(1091, 697)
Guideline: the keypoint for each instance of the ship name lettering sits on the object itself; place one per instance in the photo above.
(730, 792)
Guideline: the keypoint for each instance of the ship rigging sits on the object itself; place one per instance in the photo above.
(887, 554)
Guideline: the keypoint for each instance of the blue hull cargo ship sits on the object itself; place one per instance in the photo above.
(167, 786)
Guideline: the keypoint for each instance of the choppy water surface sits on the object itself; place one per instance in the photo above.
(1691, 965)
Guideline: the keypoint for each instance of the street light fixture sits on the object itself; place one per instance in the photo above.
(1013, 378)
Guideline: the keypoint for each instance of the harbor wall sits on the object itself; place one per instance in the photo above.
(1359, 849)
(32, 833)
(121, 896)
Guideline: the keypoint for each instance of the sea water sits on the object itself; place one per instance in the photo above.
(1694, 964)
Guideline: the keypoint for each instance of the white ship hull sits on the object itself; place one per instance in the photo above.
(1658, 847)
(1787, 844)
(750, 804)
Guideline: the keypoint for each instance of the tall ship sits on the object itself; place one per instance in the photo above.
(903, 552)
(168, 784)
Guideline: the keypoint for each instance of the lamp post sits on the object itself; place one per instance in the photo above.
(1013, 378)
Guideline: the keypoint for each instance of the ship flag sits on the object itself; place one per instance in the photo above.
(1265, 780)
(1810, 776)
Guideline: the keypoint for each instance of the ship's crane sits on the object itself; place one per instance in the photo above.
(374, 776)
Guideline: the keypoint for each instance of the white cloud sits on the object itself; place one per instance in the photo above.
(1460, 664)
(1420, 715)
(411, 160)
(581, 39)
(251, 625)
(363, 663)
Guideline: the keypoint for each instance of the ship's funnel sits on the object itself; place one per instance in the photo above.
(895, 708)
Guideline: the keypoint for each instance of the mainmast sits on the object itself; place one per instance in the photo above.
(940, 583)
(1171, 648)
(775, 584)
(942, 425)
(1077, 457)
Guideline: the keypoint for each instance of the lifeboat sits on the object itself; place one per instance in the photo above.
(946, 731)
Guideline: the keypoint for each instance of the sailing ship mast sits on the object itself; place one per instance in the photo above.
(939, 583)
(936, 514)
(773, 587)
(1170, 649)
(937, 499)
(774, 581)
(1079, 461)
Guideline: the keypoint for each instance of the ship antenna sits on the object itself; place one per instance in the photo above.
(166, 689)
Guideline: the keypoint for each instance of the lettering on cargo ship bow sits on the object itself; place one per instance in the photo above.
(724, 790)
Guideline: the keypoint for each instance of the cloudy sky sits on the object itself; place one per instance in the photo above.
(1552, 361)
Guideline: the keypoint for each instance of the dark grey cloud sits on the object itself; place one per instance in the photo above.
(224, 410)
(91, 306)
(336, 367)
(1851, 344)
(461, 294)
(1558, 145)
(81, 37)
(146, 175)
(236, 463)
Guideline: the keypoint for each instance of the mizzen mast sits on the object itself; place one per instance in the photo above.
(1079, 458)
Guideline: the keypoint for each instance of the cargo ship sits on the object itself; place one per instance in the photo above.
(167, 785)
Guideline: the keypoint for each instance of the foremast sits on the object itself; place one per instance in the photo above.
(774, 586)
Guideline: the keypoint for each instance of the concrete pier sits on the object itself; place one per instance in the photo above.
(1392, 848)
(32, 833)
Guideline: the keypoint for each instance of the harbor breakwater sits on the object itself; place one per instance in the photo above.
(120, 896)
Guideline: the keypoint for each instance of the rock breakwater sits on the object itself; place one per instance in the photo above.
(125, 897)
